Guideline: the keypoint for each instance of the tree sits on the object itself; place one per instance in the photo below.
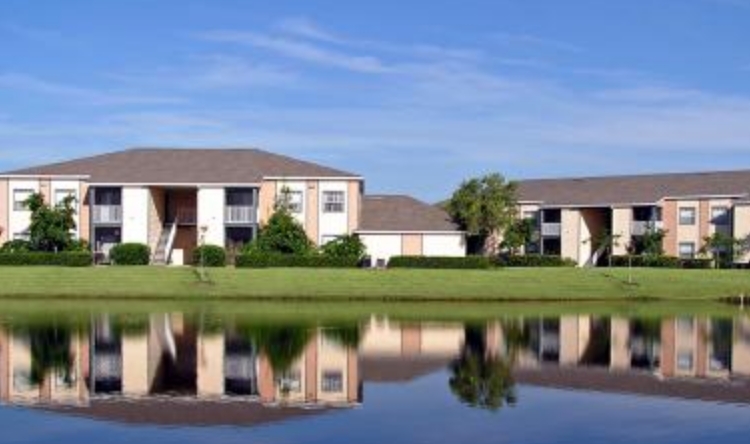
(723, 247)
(283, 234)
(347, 246)
(652, 242)
(517, 235)
(484, 207)
(51, 227)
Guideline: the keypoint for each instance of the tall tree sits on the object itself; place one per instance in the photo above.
(485, 207)
(51, 227)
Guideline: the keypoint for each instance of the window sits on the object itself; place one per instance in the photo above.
(61, 194)
(531, 215)
(289, 381)
(333, 381)
(295, 202)
(687, 216)
(22, 236)
(324, 239)
(720, 215)
(685, 360)
(687, 250)
(19, 199)
(333, 201)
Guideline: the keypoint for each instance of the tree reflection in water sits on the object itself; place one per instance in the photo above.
(50, 351)
(480, 377)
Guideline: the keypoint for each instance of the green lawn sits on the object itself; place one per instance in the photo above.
(530, 284)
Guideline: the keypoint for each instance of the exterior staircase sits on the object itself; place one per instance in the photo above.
(163, 249)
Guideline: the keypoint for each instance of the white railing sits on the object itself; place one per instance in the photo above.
(107, 214)
(641, 227)
(235, 214)
(170, 242)
(551, 229)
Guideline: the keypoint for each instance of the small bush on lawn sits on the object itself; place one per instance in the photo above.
(277, 260)
(650, 261)
(535, 260)
(701, 264)
(63, 258)
(130, 254)
(468, 262)
(213, 256)
(16, 246)
(349, 246)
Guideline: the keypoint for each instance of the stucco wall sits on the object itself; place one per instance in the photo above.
(382, 246)
(691, 233)
(74, 186)
(453, 245)
(333, 224)
(621, 219)
(570, 236)
(669, 216)
(411, 245)
(266, 200)
(18, 221)
(296, 186)
(211, 214)
(312, 223)
(210, 365)
(354, 207)
(135, 214)
(4, 213)
(84, 218)
(742, 227)
(135, 373)
(156, 215)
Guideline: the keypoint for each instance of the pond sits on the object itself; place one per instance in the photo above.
(194, 376)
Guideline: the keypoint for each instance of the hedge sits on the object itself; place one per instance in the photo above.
(63, 258)
(130, 254)
(535, 260)
(278, 260)
(439, 262)
(661, 262)
(213, 256)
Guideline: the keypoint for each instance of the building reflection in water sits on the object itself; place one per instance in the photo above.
(168, 368)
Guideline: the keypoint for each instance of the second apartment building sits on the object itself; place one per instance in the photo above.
(573, 215)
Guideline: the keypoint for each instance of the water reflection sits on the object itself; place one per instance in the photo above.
(176, 368)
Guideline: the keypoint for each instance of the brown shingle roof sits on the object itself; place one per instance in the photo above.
(642, 189)
(403, 213)
(160, 165)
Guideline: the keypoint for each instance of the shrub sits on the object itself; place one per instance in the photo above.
(649, 261)
(130, 254)
(273, 260)
(283, 234)
(468, 262)
(535, 260)
(16, 246)
(78, 245)
(349, 245)
(696, 263)
(63, 258)
(213, 256)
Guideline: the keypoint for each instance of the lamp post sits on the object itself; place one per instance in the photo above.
(202, 242)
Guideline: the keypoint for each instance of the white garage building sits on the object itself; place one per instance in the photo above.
(396, 225)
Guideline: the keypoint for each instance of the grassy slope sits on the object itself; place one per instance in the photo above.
(562, 284)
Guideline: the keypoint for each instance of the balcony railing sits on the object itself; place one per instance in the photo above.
(107, 214)
(236, 214)
(641, 227)
(551, 229)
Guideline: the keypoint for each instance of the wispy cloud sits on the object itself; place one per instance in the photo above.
(15, 82)
(307, 28)
(534, 41)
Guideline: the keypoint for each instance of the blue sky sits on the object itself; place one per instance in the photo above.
(414, 95)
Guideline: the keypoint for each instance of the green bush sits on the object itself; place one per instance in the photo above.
(468, 262)
(16, 246)
(649, 261)
(130, 254)
(535, 260)
(213, 256)
(78, 245)
(63, 258)
(274, 260)
(696, 263)
(349, 245)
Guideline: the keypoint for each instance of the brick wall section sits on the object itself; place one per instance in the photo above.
(354, 205)
(4, 211)
(312, 210)
(411, 245)
(701, 348)
(84, 218)
(669, 215)
(704, 222)
(411, 340)
(45, 187)
(352, 375)
(311, 370)
(266, 385)
(266, 200)
(156, 215)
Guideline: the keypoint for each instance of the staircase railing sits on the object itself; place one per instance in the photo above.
(170, 242)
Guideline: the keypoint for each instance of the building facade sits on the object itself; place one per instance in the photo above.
(574, 217)
(176, 199)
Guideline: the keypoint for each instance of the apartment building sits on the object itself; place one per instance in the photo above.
(573, 215)
(175, 199)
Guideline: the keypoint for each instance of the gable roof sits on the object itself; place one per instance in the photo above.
(168, 165)
(636, 189)
(403, 214)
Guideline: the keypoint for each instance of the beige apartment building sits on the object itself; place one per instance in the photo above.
(574, 214)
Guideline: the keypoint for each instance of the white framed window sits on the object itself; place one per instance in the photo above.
(332, 381)
(22, 236)
(61, 194)
(19, 199)
(687, 250)
(333, 201)
(293, 199)
(324, 239)
(720, 215)
(687, 215)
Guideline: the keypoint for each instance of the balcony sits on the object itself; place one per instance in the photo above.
(641, 227)
(551, 229)
(107, 214)
(239, 214)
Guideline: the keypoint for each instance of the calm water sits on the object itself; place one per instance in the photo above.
(183, 377)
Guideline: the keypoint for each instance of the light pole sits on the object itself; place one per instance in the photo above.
(202, 243)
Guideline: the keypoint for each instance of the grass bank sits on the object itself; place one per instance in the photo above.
(513, 284)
